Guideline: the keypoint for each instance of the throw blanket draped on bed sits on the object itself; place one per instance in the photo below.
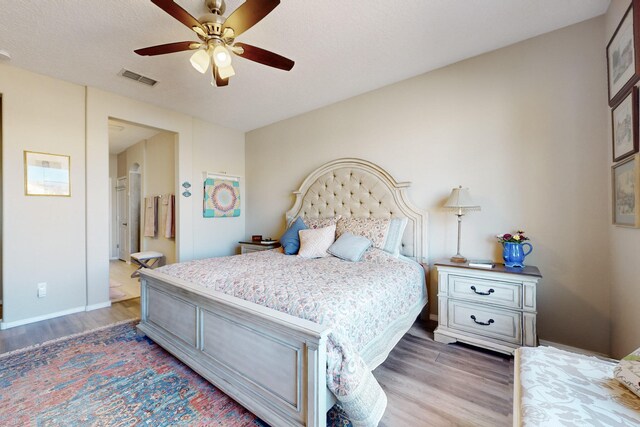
(356, 300)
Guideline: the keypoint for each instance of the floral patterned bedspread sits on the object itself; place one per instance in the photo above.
(558, 388)
(357, 300)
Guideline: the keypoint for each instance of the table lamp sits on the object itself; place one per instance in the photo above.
(460, 202)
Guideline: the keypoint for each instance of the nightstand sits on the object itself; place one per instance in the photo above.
(491, 308)
(248, 247)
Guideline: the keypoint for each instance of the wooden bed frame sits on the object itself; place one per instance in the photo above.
(272, 363)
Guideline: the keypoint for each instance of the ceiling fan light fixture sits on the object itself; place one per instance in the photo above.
(200, 61)
(221, 56)
(226, 72)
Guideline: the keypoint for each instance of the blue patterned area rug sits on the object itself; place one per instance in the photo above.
(114, 377)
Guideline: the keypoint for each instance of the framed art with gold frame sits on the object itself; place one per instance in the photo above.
(625, 178)
(47, 174)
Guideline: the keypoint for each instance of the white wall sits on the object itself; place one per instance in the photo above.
(523, 127)
(44, 237)
(624, 245)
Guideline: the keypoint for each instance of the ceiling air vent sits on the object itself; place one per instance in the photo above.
(137, 77)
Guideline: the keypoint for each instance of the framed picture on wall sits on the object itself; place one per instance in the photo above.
(626, 192)
(623, 52)
(46, 174)
(624, 126)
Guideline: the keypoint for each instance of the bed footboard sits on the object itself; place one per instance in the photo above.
(272, 363)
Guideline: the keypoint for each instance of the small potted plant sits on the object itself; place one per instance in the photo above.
(512, 248)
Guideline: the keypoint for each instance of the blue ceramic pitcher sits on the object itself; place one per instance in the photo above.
(513, 254)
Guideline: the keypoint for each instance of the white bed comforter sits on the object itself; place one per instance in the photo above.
(356, 300)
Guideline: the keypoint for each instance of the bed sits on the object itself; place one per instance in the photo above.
(264, 329)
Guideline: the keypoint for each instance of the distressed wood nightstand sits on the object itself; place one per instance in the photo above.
(248, 247)
(491, 308)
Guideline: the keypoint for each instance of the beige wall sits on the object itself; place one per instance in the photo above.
(625, 247)
(113, 224)
(522, 127)
(68, 238)
(193, 149)
(225, 152)
(122, 164)
(158, 178)
(44, 237)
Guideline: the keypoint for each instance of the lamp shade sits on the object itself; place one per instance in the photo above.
(460, 199)
(200, 60)
(221, 57)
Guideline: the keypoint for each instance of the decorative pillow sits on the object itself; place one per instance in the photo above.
(349, 247)
(314, 242)
(393, 243)
(628, 372)
(374, 229)
(321, 222)
(290, 240)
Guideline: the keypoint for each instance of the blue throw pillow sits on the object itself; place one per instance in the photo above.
(349, 247)
(290, 240)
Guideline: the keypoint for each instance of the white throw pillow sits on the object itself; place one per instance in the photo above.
(393, 244)
(314, 242)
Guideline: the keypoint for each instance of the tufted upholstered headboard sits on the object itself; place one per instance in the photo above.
(357, 188)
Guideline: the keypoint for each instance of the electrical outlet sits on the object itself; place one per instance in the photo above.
(42, 290)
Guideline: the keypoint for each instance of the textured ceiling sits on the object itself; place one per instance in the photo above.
(341, 48)
(123, 135)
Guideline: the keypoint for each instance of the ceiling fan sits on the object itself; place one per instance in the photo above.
(217, 35)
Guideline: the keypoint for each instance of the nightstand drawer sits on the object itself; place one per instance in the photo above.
(504, 325)
(506, 294)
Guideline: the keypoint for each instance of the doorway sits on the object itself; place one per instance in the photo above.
(142, 177)
(121, 219)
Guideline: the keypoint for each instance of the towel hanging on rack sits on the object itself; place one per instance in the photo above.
(149, 217)
(168, 206)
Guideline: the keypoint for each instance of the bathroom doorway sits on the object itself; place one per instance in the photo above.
(142, 180)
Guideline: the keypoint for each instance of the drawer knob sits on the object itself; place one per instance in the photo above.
(473, 317)
(473, 288)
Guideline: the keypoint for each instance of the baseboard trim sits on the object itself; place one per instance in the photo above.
(98, 306)
(572, 349)
(7, 325)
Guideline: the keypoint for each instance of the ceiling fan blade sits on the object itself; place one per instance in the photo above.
(179, 13)
(264, 57)
(219, 81)
(167, 48)
(249, 14)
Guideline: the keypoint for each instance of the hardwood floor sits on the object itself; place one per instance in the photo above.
(121, 285)
(36, 333)
(433, 384)
(427, 383)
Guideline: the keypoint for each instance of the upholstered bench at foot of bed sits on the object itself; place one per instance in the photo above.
(553, 387)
